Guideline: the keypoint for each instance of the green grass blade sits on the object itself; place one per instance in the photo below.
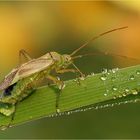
(100, 90)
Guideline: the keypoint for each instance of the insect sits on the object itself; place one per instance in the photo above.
(19, 83)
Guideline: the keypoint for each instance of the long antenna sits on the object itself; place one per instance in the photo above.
(105, 53)
(98, 36)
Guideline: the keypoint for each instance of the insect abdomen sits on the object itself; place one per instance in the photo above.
(20, 90)
(17, 92)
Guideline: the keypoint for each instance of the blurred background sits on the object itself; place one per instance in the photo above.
(41, 27)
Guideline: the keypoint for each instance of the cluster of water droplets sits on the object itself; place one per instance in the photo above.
(113, 75)
(118, 91)
(106, 72)
(94, 107)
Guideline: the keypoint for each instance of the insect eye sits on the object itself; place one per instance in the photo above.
(66, 59)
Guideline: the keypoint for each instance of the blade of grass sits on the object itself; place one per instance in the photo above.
(100, 90)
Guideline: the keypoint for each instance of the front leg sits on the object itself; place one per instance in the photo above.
(61, 71)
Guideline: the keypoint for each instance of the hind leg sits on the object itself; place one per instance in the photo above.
(12, 116)
(8, 110)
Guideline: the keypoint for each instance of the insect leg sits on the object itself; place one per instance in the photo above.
(81, 74)
(13, 116)
(60, 86)
(25, 54)
(66, 70)
(57, 81)
(73, 71)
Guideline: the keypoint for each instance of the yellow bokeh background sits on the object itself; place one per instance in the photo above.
(40, 27)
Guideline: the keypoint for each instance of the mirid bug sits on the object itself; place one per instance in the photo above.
(19, 83)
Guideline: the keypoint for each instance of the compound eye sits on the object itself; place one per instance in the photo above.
(67, 59)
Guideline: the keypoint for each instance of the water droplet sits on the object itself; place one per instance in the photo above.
(138, 72)
(92, 73)
(124, 94)
(126, 102)
(114, 88)
(82, 78)
(132, 77)
(105, 94)
(103, 77)
(126, 90)
(113, 71)
(104, 70)
(107, 90)
(68, 113)
(134, 92)
(3, 127)
(120, 96)
(58, 110)
(114, 97)
(96, 107)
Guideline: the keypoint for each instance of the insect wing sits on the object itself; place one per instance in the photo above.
(8, 79)
(27, 69)
(32, 67)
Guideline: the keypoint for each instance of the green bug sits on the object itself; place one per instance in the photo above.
(19, 83)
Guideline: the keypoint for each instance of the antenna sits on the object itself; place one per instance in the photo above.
(96, 37)
(105, 53)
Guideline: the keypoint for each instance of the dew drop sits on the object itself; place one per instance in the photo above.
(3, 127)
(104, 70)
(120, 96)
(138, 72)
(134, 92)
(132, 77)
(114, 97)
(58, 110)
(124, 94)
(96, 107)
(126, 90)
(92, 73)
(113, 71)
(126, 102)
(68, 113)
(82, 78)
(114, 88)
(103, 77)
(105, 94)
